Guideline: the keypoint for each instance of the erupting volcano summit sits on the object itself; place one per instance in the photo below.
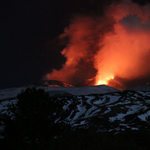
(111, 49)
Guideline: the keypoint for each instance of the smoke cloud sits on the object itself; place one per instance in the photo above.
(112, 49)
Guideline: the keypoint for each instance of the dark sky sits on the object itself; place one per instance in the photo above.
(27, 32)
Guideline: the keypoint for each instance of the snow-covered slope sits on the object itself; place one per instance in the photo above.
(9, 95)
(101, 108)
(101, 89)
(108, 112)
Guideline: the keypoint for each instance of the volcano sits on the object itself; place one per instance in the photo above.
(111, 49)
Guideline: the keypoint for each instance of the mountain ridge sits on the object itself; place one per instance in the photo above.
(110, 111)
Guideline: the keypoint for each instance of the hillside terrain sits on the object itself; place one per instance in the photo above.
(96, 109)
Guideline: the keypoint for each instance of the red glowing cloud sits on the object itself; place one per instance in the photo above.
(107, 47)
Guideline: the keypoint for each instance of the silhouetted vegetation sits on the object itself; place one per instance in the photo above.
(33, 120)
(34, 123)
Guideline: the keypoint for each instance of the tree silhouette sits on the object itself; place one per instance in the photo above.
(34, 119)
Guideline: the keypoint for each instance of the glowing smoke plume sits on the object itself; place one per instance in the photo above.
(113, 49)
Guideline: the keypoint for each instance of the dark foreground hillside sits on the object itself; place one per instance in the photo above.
(117, 120)
(81, 140)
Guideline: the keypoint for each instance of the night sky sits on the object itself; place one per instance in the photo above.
(28, 35)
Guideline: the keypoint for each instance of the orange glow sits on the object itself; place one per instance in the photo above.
(114, 47)
(104, 80)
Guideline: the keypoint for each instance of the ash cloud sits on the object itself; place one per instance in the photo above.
(113, 47)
